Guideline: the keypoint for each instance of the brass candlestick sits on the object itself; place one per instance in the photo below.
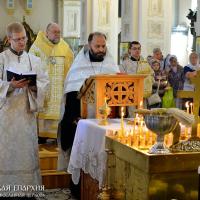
(118, 194)
(105, 194)
(104, 110)
(121, 131)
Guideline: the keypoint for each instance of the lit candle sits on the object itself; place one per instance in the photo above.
(198, 129)
(135, 121)
(126, 136)
(187, 106)
(191, 108)
(184, 132)
(131, 132)
(142, 137)
(141, 104)
(146, 131)
(105, 99)
(150, 140)
(136, 137)
(122, 121)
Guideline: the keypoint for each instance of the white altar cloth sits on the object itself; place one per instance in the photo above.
(88, 150)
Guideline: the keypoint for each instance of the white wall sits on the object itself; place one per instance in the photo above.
(129, 20)
(184, 6)
(181, 43)
(43, 12)
(105, 19)
(86, 21)
(155, 23)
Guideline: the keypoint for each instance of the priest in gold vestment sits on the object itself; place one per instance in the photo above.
(57, 57)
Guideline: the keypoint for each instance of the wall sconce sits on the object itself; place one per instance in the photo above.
(29, 6)
(10, 6)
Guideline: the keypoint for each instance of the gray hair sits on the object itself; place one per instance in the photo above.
(50, 24)
(14, 27)
(155, 50)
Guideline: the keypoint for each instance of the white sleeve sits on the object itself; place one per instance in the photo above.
(42, 82)
(42, 85)
(4, 85)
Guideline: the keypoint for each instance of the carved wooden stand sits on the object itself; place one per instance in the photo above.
(120, 90)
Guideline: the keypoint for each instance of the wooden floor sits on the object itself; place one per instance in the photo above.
(51, 178)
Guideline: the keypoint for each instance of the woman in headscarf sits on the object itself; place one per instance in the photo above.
(176, 78)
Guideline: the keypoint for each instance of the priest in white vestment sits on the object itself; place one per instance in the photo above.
(19, 162)
(93, 59)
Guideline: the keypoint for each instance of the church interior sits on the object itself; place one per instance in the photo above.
(149, 154)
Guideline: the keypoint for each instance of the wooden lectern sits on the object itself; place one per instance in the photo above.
(119, 90)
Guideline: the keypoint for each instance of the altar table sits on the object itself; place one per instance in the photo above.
(88, 150)
(139, 174)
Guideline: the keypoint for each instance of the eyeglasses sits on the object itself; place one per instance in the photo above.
(19, 39)
(136, 48)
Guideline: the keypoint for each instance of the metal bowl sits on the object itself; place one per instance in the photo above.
(160, 125)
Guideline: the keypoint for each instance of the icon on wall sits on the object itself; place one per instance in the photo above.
(10, 5)
(71, 21)
(29, 6)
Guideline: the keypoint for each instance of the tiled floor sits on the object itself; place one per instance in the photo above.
(57, 194)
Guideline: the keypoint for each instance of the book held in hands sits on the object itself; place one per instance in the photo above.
(31, 76)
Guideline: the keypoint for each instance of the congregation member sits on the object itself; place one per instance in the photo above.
(158, 55)
(176, 78)
(160, 82)
(191, 71)
(57, 58)
(164, 61)
(18, 103)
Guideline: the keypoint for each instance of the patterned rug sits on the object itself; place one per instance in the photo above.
(60, 194)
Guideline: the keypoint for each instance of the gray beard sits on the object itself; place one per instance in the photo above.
(54, 42)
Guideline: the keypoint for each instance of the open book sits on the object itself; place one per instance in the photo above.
(31, 76)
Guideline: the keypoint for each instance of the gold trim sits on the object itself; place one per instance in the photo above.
(50, 117)
(48, 135)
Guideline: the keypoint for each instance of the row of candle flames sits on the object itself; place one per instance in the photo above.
(141, 137)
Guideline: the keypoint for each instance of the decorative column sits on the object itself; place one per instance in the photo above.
(86, 20)
(149, 22)
(129, 20)
(100, 15)
(155, 25)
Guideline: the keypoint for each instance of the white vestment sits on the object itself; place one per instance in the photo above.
(19, 162)
(81, 69)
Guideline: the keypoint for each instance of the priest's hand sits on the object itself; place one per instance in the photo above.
(19, 84)
(33, 88)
